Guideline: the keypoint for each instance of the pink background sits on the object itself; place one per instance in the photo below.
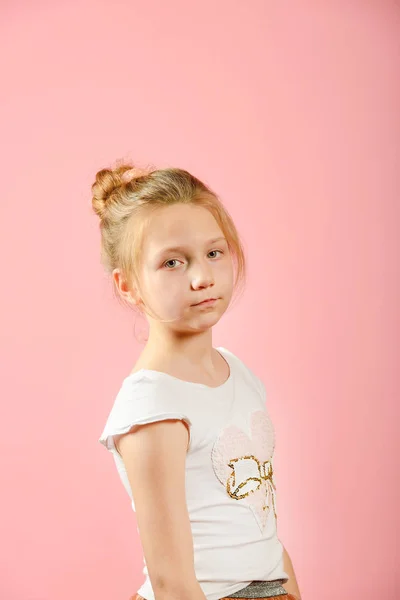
(291, 112)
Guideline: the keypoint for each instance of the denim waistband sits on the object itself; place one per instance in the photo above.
(261, 589)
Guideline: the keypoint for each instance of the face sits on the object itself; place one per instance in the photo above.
(185, 260)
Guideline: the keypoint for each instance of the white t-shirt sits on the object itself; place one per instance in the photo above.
(230, 491)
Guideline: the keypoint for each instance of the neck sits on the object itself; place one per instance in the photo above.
(194, 351)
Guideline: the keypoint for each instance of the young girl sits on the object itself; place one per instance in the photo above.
(189, 430)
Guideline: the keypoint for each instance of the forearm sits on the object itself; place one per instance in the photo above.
(291, 585)
(183, 590)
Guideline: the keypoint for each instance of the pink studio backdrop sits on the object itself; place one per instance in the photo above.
(291, 112)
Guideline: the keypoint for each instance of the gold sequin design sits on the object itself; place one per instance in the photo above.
(266, 473)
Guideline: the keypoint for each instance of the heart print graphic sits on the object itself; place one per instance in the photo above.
(243, 465)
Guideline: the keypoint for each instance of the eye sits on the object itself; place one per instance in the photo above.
(220, 251)
(173, 260)
(167, 265)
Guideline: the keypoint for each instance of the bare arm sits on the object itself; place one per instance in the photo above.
(154, 456)
(291, 585)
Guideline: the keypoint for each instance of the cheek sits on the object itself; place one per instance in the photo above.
(224, 273)
(168, 291)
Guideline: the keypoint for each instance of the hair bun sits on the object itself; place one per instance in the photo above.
(109, 180)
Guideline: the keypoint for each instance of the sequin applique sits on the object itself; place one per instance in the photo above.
(243, 465)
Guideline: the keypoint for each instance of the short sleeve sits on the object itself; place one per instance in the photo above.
(141, 401)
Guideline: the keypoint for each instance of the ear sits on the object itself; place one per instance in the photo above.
(130, 294)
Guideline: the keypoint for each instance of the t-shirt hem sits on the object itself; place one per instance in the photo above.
(147, 593)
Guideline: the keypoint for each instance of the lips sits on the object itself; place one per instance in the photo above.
(207, 301)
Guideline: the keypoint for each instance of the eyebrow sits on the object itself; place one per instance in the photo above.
(181, 248)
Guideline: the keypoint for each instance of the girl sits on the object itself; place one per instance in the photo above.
(189, 430)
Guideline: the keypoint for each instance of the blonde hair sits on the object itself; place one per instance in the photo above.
(124, 198)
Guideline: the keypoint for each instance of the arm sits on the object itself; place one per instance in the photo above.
(154, 456)
(291, 585)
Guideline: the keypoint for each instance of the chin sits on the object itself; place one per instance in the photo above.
(208, 320)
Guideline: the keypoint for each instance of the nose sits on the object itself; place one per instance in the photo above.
(202, 277)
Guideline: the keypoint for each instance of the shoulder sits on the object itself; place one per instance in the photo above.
(141, 383)
(247, 373)
(142, 398)
(142, 392)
